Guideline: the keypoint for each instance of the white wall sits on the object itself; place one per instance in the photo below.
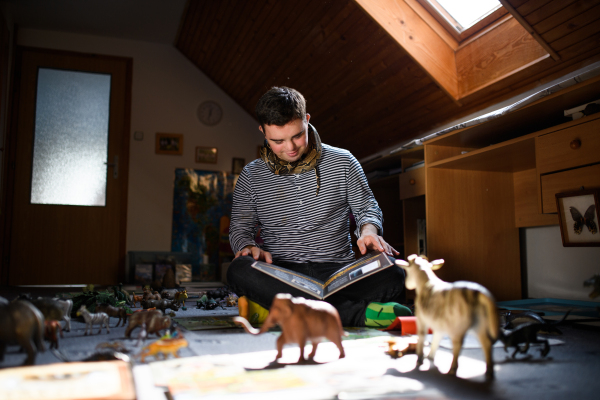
(167, 89)
(557, 271)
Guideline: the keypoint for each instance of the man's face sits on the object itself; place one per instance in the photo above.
(288, 142)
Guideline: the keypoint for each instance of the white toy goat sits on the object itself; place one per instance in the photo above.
(450, 309)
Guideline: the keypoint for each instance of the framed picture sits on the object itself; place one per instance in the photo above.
(237, 164)
(169, 143)
(578, 218)
(206, 155)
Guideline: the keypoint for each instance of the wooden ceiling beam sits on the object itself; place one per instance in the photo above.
(419, 40)
(530, 30)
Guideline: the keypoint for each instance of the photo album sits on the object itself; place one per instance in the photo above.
(369, 264)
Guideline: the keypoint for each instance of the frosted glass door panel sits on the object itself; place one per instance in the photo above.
(71, 138)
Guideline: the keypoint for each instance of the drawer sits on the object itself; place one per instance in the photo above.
(567, 181)
(412, 183)
(568, 148)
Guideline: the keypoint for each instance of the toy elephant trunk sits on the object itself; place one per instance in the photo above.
(243, 322)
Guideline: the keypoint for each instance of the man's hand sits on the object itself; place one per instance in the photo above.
(369, 239)
(255, 252)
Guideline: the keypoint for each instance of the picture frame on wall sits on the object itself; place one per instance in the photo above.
(169, 143)
(237, 165)
(578, 218)
(207, 155)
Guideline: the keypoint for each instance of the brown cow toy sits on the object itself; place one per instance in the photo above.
(154, 320)
(301, 320)
(112, 311)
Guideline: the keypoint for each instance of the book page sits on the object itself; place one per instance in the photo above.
(300, 281)
(368, 265)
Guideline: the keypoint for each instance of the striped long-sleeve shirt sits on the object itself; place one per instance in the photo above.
(295, 224)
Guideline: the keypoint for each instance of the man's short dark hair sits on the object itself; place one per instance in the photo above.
(279, 106)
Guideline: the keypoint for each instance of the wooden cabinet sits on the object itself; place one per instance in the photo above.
(486, 181)
(412, 183)
(567, 181)
(567, 160)
(567, 148)
(481, 184)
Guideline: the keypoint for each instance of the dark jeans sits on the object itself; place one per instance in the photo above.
(351, 302)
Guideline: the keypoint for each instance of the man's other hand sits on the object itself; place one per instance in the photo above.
(255, 252)
(370, 240)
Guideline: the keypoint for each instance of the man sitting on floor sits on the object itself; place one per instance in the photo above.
(300, 194)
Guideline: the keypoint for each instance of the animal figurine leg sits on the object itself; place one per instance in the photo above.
(335, 338)
(280, 343)
(457, 343)
(302, 344)
(435, 343)
(486, 345)
(421, 343)
(105, 323)
(29, 346)
(315, 344)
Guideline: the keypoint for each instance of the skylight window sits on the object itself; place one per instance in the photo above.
(463, 14)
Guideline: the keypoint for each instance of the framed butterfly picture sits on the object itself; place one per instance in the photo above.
(578, 218)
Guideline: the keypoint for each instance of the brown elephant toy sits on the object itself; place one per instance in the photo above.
(301, 320)
(21, 323)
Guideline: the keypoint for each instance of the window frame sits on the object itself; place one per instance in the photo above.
(460, 37)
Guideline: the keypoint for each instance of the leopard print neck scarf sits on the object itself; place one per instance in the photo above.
(309, 161)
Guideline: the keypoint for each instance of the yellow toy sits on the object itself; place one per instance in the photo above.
(164, 347)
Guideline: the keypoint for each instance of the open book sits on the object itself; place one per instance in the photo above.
(369, 264)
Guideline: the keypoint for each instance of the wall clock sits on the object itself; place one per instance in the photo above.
(209, 113)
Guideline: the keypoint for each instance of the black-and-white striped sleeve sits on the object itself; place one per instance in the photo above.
(297, 225)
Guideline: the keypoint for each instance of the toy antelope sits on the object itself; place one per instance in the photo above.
(451, 309)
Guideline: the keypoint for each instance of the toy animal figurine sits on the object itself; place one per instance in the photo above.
(232, 300)
(100, 318)
(155, 322)
(522, 336)
(111, 311)
(148, 295)
(51, 330)
(163, 304)
(301, 320)
(450, 309)
(50, 308)
(135, 299)
(121, 295)
(67, 307)
(164, 347)
(180, 297)
(23, 324)
(168, 293)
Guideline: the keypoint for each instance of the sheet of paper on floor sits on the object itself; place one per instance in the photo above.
(366, 372)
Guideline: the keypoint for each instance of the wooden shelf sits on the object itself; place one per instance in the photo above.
(513, 156)
(393, 160)
(539, 115)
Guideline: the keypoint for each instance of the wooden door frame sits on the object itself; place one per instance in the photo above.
(8, 170)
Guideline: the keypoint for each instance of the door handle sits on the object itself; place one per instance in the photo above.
(115, 166)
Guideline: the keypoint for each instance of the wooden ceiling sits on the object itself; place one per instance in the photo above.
(364, 91)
